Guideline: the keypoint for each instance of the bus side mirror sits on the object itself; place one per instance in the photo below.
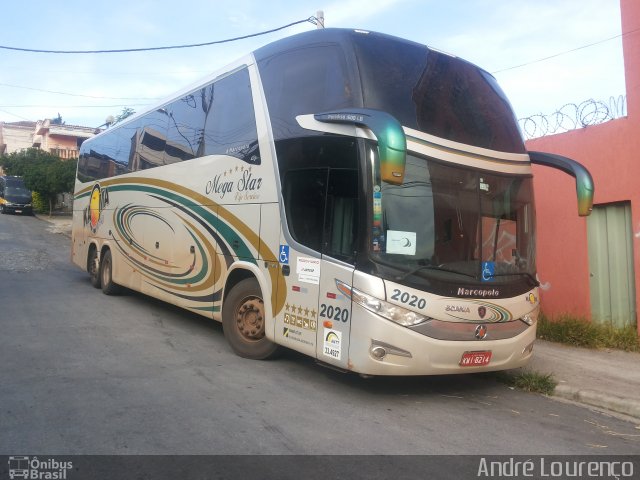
(584, 181)
(392, 143)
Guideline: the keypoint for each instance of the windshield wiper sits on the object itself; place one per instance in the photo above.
(432, 267)
(442, 269)
(526, 274)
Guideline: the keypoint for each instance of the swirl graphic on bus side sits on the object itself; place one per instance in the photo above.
(212, 236)
(98, 200)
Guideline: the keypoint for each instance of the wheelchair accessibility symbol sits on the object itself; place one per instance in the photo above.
(283, 257)
(488, 271)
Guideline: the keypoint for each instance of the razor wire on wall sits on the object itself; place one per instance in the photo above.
(573, 116)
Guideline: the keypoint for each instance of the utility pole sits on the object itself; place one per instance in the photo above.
(320, 19)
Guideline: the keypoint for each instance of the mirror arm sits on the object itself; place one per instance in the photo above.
(584, 182)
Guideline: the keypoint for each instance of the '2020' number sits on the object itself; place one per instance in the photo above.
(334, 313)
(408, 299)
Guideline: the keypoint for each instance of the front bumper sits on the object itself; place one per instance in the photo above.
(17, 208)
(412, 353)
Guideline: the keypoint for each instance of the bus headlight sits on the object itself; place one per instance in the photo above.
(396, 314)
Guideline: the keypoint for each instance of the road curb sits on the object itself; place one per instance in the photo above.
(627, 406)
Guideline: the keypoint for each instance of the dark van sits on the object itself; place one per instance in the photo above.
(14, 196)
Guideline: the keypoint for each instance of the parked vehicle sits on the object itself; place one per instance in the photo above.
(14, 196)
(359, 198)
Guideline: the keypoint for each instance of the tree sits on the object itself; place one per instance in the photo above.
(44, 173)
(126, 112)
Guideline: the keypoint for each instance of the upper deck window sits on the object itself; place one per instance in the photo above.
(304, 80)
(436, 93)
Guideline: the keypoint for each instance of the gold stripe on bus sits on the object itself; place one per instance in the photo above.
(278, 296)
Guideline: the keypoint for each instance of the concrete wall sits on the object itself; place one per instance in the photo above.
(16, 137)
(611, 152)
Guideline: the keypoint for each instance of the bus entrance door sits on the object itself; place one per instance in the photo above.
(297, 322)
(334, 315)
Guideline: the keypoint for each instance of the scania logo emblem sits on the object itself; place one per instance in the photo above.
(481, 332)
(482, 311)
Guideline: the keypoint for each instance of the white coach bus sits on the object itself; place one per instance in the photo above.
(356, 197)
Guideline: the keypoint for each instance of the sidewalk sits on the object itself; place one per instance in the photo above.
(607, 379)
(58, 223)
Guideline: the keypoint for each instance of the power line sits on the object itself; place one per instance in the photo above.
(565, 52)
(15, 115)
(75, 94)
(312, 20)
(75, 106)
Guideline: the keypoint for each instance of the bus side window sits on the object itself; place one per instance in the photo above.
(319, 178)
(304, 193)
(231, 127)
(341, 214)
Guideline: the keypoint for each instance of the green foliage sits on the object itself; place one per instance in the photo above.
(580, 332)
(126, 112)
(529, 381)
(43, 173)
(39, 204)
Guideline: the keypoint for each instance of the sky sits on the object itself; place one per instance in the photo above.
(508, 38)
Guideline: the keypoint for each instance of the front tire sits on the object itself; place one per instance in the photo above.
(243, 321)
(109, 287)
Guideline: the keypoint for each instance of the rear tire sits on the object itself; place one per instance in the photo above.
(109, 287)
(243, 322)
(93, 267)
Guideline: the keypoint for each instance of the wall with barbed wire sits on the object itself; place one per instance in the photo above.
(573, 116)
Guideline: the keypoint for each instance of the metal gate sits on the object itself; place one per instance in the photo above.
(611, 268)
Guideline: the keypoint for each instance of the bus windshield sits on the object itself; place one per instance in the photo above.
(15, 189)
(455, 224)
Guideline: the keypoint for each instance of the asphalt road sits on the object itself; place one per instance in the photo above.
(83, 373)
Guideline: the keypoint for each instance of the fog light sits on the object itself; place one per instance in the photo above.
(528, 349)
(528, 319)
(378, 353)
(379, 350)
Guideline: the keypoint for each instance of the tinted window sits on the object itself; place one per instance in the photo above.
(149, 141)
(185, 138)
(320, 193)
(304, 80)
(216, 119)
(98, 159)
(231, 128)
(304, 194)
(436, 93)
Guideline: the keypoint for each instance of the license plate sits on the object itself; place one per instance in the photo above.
(18, 211)
(475, 359)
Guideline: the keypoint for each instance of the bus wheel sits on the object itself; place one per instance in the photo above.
(109, 287)
(93, 267)
(243, 321)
